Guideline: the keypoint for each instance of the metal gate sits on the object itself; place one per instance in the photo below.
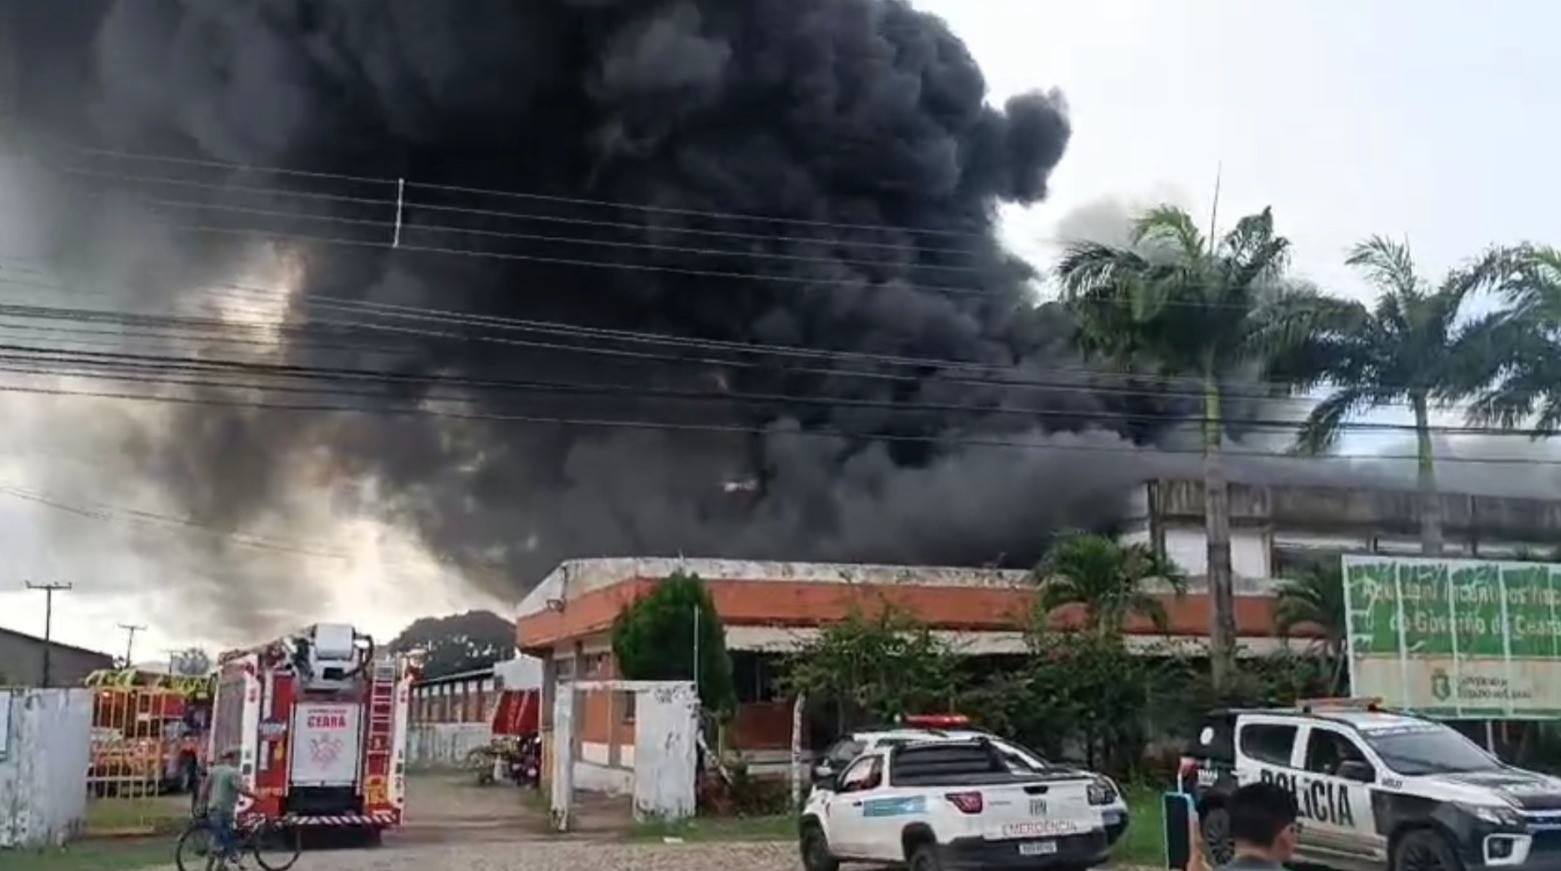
(147, 750)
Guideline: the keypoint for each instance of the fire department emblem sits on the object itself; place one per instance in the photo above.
(325, 750)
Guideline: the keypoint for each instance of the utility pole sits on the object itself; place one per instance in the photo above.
(48, 622)
(130, 642)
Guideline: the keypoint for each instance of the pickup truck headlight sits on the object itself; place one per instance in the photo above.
(1102, 791)
(1495, 814)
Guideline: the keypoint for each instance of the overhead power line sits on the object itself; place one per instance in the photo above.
(146, 368)
(1049, 442)
(1139, 384)
(396, 223)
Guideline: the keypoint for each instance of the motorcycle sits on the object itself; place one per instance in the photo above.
(524, 765)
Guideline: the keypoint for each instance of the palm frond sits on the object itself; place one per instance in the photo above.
(1315, 598)
(1170, 226)
(1387, 264)
(1323, 426)
(1296, 317)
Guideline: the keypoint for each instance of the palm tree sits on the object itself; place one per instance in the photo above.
(1201, 310)
(1315, 598)
(1529, 389)
(1107, 580)
(1415, 348)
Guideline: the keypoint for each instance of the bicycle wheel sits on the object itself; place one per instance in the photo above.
(276, 845)
(195, 849)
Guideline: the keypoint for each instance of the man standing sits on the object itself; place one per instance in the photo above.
(220, 792)
(1263, 825)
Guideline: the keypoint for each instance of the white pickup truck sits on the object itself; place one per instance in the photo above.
(968, 802)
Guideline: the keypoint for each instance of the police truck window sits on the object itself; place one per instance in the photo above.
(1429, 750)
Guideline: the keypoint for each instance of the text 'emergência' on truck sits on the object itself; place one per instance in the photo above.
(319, 721)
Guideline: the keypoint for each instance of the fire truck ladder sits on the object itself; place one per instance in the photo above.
(382, 709)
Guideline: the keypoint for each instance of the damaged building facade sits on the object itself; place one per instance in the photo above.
(770, 608)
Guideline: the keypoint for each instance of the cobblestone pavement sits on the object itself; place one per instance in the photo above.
(555, 855)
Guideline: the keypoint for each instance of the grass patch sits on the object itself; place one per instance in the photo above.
(93, 855)
(1144, 841)
(149, 815)
(780, 827)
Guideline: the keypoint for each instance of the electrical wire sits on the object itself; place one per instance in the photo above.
(403, 208)
(103, 365)
(1194, 387)
(943, 439)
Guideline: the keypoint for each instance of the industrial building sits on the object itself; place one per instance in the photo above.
(22, 655)
(769, 608)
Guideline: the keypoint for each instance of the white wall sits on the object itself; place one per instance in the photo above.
(666, 729)
(521, 673)
(1189, 549)
(44, 753)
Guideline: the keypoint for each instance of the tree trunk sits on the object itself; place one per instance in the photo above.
(1430, 499)
(1216, 516)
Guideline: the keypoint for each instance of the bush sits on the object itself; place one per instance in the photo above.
(655, 639)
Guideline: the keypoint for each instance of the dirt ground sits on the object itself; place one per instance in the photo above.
(451, 822)
(450, 808)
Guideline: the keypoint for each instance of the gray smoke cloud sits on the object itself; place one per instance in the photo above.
(864, 122)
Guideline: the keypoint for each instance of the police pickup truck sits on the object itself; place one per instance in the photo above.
(1376, 789)
(969, 801)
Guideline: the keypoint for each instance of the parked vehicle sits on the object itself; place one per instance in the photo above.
(149, 731)
(1376, 788)
(965, 801)
(319, 721)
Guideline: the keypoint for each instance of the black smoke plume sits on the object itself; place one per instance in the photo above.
(864, 124)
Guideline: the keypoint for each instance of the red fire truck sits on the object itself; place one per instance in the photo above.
(319, 721)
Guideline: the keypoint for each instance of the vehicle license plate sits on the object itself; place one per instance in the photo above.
(1040, 828)
(1037, 807)
(1037, 848)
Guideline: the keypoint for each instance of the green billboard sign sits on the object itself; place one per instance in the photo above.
(1455, 638)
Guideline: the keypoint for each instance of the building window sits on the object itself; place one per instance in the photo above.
(754, 676)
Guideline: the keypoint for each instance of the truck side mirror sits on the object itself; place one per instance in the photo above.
(1354, 769)
(824, 775)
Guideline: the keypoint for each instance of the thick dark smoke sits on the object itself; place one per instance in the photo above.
(863, 121)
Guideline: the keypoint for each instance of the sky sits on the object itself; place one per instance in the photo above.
(1428, 121)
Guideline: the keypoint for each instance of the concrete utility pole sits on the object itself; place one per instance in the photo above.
(48, 622)
(130, 643)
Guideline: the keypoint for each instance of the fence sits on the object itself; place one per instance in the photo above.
(442, 745)
(44, 738)
(143, 744)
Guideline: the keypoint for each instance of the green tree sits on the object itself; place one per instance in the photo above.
(875, 667)
(459, 642)
(1107, 580)
(1082, 690)
(1315, 599)
(1416, 347)
(1203, 310)
(660, 636)
(1528, 390)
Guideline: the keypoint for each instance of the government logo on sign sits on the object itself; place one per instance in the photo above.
(1441, 685)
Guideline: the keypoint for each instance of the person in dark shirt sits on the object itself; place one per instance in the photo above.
(1263, 825)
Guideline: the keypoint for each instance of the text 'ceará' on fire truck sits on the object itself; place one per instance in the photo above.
(319, 721)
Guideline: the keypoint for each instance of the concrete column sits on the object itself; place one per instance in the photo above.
(614, 753)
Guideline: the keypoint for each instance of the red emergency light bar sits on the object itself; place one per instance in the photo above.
(936, 721)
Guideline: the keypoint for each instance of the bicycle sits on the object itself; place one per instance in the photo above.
(274, 844)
